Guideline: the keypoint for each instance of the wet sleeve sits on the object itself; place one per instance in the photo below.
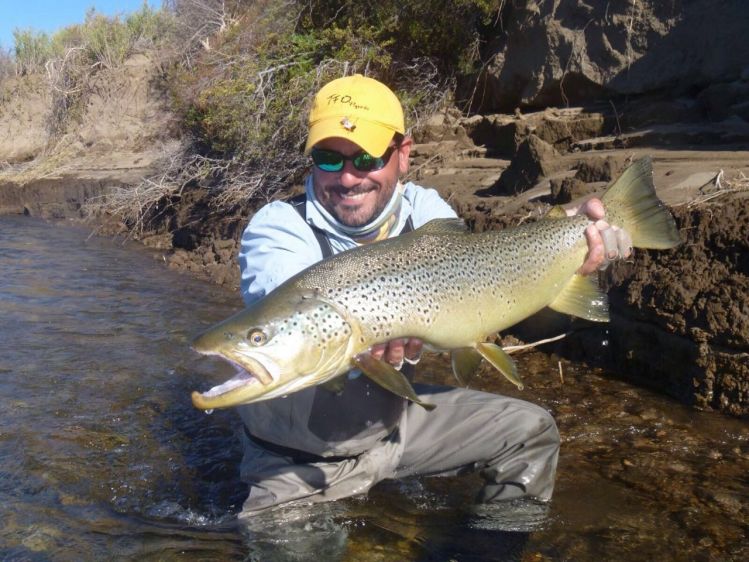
(276, 245)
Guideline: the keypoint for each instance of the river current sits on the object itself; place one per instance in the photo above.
(103, 457)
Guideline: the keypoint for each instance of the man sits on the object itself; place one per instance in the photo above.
(319, 445)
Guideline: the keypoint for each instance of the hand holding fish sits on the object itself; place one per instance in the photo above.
(606, 242)
(399, 350)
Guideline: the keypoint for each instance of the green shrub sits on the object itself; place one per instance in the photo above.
(110, 41)
(32, 50)
(246, 97)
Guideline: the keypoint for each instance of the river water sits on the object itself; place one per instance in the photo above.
(102, 456)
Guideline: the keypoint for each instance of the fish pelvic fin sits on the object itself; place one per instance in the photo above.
(335, 385)
(631, 203)
(465, 362)
(500, 361)
(583, 297)
(389, 378)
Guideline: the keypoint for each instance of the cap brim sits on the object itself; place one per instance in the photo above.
(374, 138)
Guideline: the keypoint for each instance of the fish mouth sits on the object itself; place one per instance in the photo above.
(245, 385)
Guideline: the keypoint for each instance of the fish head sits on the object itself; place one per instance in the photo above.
(279, 345)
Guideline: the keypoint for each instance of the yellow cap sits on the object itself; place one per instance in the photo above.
(356, 108)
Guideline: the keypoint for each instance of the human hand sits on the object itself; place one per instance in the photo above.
(606, 242)
(398, 350)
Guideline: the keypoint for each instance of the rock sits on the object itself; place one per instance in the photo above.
(562, 53)
(719, 101)
(600, 169)
(534, 159)
(567, 189)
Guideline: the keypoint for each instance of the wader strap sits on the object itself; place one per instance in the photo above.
(297, 456)
(299, 204)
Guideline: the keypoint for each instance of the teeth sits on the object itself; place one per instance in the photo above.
(355, 196)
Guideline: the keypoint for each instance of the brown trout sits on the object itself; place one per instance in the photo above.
(450, 288)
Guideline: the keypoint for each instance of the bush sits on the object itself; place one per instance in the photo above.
(246, 97)
(32, 50)
(109, 41)
(7, 64)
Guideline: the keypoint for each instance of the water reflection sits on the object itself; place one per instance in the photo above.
(103, 457)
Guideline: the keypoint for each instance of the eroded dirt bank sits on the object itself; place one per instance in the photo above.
(680, 319)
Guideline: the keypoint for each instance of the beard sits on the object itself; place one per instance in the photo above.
(355, 207)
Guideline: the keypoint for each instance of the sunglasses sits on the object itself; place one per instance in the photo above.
(332, 161)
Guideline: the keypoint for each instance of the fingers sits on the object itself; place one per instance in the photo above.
(592, 208)
(397, 351)
(378, 350)
(610, 249)
(413, 350)
(624, 242)
(596, 250)
(606, 243)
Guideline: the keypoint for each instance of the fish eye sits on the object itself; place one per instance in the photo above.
(257, 337)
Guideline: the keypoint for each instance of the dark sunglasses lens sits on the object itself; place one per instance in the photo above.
(365, 162)
(327, 160)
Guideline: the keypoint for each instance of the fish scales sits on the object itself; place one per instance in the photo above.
(415, 285)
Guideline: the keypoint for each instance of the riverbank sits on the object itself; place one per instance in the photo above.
(680, 319)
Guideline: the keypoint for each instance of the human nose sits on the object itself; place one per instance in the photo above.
(350, 176)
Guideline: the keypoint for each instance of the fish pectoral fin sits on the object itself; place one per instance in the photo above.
(335, 385)
(465, 362)
(500, 361)
(389, 378)
(582, 297)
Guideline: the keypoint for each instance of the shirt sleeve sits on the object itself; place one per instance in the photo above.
(276, 245)
(427, 205)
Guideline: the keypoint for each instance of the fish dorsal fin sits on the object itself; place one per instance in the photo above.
(442, 226)
(582, 297)
(556, 212)
(465, 362)
(389, 378)
(500, 361)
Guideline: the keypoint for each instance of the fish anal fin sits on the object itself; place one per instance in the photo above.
(465, 362)
(389, 378)
(582, 297)
(500, 361)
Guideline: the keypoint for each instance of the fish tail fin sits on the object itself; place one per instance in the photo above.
(631, 203)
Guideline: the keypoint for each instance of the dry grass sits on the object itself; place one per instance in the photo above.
(720, 187)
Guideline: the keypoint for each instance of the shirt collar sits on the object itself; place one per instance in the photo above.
(319, 217)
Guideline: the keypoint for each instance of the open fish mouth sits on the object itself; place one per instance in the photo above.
(235, 390)
(240, 379)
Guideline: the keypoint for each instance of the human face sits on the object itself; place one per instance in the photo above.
(353, 197)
